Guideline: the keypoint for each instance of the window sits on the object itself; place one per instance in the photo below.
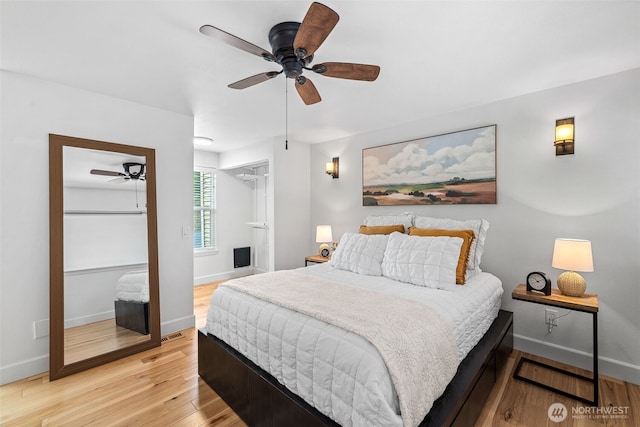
(204, 209)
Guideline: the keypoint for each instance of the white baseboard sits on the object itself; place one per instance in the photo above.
(176, 325)
(606, 366)
(238, 272)
(40, 364)
(92, 318)
(24, 369)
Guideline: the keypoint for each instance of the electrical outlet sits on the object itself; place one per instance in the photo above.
(551, 317)
(40, 328)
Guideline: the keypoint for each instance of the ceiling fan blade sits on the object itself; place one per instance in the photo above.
(106, 173)
(118, 180)
(345, 70)
(314, 29)
(237, 42)
(254, 80)
(307, 91)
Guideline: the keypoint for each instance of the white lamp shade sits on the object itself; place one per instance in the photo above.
(323, 234)
(564, 132)
(572, 255)
(328, 167)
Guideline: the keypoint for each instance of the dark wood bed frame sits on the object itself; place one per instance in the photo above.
(260, 400)
(132, 315)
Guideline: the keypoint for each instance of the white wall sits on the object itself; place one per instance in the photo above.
(289, 206)
(261, 153)
(31, 109)
(89, 294)
(123, 237)
(234, 201)
(292, 210)
(594, 194)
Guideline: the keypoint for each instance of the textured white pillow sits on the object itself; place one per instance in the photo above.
(479, 227)
(404, 219)
(360, 253)
(422, 260)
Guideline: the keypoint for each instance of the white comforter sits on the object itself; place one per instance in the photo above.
(421, 360)
(339, 372)
(133, 286)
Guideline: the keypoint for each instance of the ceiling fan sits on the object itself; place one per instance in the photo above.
(293, 45)
(132, 171)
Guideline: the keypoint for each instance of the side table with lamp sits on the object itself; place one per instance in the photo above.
(571, 255)
(324, 236)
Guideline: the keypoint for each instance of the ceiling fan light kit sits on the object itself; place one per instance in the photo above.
(293, 46)
(132, 171)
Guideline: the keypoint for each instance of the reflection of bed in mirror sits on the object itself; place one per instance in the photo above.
(105, 234)
(92, 322)
(132, 301)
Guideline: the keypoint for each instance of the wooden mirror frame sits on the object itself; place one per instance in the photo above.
(57, 367)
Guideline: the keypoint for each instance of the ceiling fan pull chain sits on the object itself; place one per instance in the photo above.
(286, 115)
(135, 183)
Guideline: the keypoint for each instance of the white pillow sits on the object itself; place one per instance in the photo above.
(404, 219)
(479, 227)
(422, 260)
(360, 253)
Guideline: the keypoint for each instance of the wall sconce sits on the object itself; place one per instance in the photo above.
(333, 168)
(564, 142)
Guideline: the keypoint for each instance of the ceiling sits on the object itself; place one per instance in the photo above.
(435, 57)
(78, 163)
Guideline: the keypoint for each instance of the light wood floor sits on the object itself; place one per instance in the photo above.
(161, 387)
(82, 342)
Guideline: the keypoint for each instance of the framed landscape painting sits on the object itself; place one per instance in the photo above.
(450, 169)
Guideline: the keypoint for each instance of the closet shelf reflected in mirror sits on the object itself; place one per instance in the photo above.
(89, 212)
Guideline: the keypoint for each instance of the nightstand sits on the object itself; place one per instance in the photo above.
(588, 303)
(317, 259)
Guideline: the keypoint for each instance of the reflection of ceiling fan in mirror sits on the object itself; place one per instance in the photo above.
(293, 46)
(132, 171)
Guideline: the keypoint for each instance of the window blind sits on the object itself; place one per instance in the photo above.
(204, 204)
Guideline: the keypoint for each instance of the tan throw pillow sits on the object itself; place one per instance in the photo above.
(466, 235)
(381, 229)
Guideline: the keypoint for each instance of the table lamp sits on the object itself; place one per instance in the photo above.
(324, 236)
(572, 255)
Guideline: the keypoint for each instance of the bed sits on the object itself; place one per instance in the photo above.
(132, 301)
(278, 359)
